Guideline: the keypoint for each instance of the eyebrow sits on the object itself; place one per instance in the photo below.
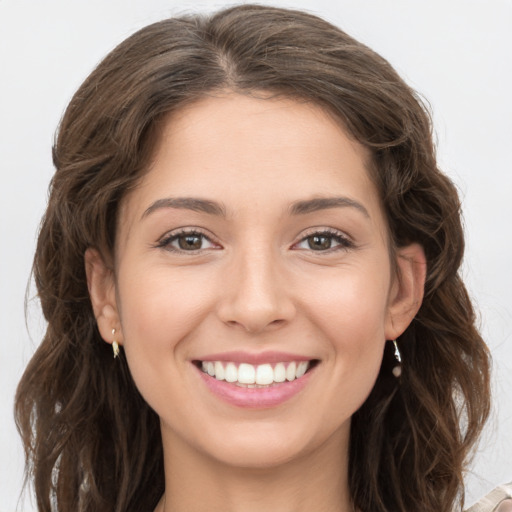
(214, 208)
(187, 203)
(324, 203)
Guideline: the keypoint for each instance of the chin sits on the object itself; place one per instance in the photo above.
(267, 446)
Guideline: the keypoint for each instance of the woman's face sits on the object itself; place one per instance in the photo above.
(255, 248)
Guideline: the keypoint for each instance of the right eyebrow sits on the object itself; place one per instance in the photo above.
(186, 203)
(324, 203)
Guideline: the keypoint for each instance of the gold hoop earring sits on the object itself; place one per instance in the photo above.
(115, 345)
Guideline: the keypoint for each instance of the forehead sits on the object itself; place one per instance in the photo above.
(228, 120)
(233, 147)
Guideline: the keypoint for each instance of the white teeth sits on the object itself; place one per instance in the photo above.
(290, 371)
(219, 371)
(252, 376)
(264, 374)
(279, 373)
(231, 373)
(246, 374)
(301, 369)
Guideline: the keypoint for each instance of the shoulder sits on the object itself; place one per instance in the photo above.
(498, 500)
(505, 506)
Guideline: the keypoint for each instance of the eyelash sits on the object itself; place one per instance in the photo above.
(344, 243)
(166, 241)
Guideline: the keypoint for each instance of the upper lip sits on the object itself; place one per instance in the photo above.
(254, 358)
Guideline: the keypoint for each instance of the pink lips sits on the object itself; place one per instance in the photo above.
(265, 397)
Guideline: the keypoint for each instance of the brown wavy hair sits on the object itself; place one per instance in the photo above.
(92, 443)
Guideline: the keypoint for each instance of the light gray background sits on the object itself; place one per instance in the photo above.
(457, 53)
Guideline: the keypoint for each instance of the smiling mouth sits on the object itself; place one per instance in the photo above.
(256, 376)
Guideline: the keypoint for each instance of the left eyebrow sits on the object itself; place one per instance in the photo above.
(186, 203)
(325, 203)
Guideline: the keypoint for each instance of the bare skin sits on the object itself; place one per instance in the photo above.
(257, 230)
(505, 506)
(291, 487)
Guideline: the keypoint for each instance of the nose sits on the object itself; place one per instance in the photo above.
(256, 295)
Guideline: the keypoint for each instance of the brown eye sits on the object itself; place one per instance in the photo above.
(324, 241)
(319, 242)
(187, 241)
(190, 242)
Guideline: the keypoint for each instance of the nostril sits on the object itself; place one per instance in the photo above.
(252, 326)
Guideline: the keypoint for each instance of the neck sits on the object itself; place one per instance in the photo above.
(315, 481)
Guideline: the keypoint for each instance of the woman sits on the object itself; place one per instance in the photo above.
(248, 211)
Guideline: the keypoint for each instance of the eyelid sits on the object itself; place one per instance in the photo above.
(165, 240)
(346, 240)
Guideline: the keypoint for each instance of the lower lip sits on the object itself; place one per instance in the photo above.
(256, 398)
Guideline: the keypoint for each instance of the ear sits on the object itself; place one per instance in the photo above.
(407, 290)
(102, 291)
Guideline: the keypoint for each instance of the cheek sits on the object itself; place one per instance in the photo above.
(159, 310)
(349, 311)
(160, 303)
(350, 303)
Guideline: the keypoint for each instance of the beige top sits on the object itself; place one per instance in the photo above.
(491, 502)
